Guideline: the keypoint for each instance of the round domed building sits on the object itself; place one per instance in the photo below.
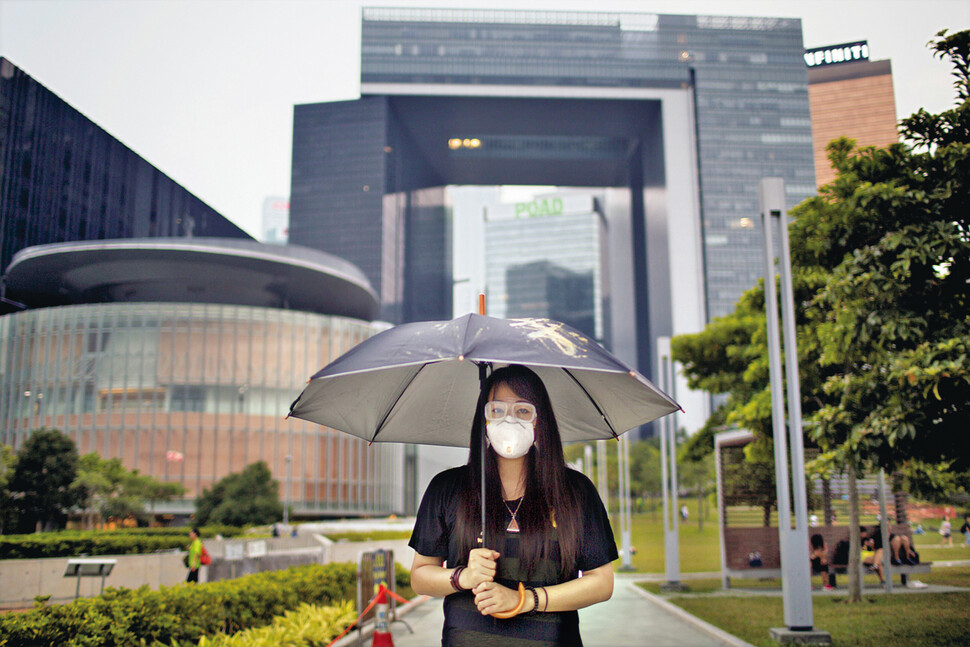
(181, 356)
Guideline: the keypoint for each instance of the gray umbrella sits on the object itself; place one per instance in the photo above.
(419, 382)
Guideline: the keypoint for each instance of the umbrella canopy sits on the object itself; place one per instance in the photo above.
(419, 382)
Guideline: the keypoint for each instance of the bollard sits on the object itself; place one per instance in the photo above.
(382, 632)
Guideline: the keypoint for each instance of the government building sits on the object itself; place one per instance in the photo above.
(147, 327)
(669, 120)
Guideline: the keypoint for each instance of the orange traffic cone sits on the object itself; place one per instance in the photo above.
(382, 632)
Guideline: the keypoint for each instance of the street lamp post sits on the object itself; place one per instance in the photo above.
(623, 483)
(796, 584)
(668, 472)
(286, 505)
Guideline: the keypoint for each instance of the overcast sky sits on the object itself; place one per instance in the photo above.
(205, 89)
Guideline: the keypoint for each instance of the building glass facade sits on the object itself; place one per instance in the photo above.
(211, 383)
(747, 75)
(63, 178)
(547, 266)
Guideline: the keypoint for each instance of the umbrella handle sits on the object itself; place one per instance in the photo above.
(505, 615)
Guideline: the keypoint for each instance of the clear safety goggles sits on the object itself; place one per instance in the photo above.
(522, 411)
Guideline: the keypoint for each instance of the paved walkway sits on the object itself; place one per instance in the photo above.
(632, 617)
(628, 619)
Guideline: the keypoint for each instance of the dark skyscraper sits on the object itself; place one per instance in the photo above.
(63, 178)
(675, 118)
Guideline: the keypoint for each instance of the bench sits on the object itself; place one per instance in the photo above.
(903, 570)
(758, 573)
(739, 542)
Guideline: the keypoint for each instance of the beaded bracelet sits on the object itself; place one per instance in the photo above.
(455, 574)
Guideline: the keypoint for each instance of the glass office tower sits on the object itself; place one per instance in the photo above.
(747, 76)
(63, 178)
(674, 119)
(543, 259)
(748, 95)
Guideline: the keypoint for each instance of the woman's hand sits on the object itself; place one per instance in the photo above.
(480, 569)
(492, 597)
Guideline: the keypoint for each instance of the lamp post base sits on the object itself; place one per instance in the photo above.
(800, 637)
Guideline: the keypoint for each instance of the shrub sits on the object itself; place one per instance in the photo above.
(308, 626)
(71, 543)
(182, 613)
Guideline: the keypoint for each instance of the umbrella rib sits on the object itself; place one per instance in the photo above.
(387, 414)
(593, 401)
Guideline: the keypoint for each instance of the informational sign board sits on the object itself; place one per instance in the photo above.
(255, 548)
(232, 552)
(375, 568)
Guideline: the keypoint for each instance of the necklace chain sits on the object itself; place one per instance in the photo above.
(513, 525)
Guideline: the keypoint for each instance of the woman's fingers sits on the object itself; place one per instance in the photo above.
(493, 598)
(482, 565)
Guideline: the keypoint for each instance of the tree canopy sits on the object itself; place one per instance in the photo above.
(8, 461)
(893, 316)
(106, 486)
(881, 272)
(247, 497)
(41, 485)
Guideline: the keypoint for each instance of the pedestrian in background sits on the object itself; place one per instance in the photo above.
(194, 558)
(965, 529)
(946, 531)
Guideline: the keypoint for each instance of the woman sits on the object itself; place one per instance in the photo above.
(818, 553)
(545, 526)
(194, 557)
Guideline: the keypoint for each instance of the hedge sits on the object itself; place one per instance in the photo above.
(72, 543)
(186, 612)
(308, 626)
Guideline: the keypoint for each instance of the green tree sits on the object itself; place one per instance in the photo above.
(247, 497)
(697, 477)
(8, 461)
(645, 482)
(644, 468)
(893, 320)
(881, 271)
(109, 489)
(41, 484)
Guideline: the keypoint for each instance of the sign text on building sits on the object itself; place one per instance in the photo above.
(845, 53)
(543, 206)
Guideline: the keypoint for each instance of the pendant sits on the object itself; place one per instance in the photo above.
(513, 526)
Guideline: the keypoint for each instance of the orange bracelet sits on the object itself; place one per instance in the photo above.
(505, 615)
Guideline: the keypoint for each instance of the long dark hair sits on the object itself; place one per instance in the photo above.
(547, 492)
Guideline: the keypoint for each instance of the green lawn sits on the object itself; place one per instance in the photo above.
(930, 550)
(902, 620)
(699, 549)
(905, 620)
(951, 576)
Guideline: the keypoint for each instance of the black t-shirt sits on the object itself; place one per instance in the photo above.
(434, 536)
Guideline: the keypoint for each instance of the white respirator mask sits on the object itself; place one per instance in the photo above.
(510, 439)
